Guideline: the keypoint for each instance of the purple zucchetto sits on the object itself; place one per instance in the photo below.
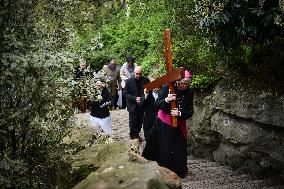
(187, 75)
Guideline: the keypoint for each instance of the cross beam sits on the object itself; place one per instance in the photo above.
(170, 77)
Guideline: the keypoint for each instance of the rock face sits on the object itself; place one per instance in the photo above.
(112, 165)
(240, 128)
(261, 108)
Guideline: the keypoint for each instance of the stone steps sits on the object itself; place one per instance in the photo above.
(204, 174)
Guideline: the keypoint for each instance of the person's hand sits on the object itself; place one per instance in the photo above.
(175, 112)
(138, 100)
(170, 97)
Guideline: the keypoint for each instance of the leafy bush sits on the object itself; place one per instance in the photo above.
(35, 114)
(231, 39)
(251, 34)
(35, 88)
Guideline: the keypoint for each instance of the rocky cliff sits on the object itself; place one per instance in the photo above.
(240, 128)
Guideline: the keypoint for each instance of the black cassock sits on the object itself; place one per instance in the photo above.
(167, 145)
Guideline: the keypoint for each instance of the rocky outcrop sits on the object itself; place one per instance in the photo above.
(119, 169)
(263, 108)
(112, 165)
(240, 128)
(235, 129)
(100, 163)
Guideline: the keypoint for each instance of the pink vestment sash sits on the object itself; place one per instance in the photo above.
(166, 118)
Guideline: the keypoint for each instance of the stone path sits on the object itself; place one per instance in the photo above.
(203, 174)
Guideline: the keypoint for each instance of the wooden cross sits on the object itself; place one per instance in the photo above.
(170, 77)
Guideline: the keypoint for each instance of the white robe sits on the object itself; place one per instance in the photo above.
(103, 123)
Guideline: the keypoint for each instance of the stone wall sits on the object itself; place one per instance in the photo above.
(239, 128)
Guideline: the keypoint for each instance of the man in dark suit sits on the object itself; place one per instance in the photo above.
(134, 93)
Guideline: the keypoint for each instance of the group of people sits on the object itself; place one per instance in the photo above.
(164, 143)
(100, 115)
(117, 77)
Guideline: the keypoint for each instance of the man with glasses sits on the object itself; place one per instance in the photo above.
(134, 92)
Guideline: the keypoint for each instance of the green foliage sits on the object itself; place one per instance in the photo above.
(231, 39)
(90, 87)
(239, 21)
(14, 170)
(192, 48)
(35, 103)
(202, 82)
(219, 38)
(138, 35)
(149, 62)
(35, 90)
(89, 47)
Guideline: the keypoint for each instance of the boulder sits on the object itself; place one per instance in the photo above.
(235, 129)
(228, 154)
(264, 108)
(114, 166)
(239, 127)
(202, 140)
(244, 158)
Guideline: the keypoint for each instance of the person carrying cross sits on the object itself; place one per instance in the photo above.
(168, 144)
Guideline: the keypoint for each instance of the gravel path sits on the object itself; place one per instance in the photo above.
(203, 174)
(119, 120)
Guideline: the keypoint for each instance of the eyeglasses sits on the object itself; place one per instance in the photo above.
(138, 73)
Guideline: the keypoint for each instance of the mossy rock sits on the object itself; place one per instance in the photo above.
(115, 167)
(81, 164)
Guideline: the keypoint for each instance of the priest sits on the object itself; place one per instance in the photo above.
(167, 144)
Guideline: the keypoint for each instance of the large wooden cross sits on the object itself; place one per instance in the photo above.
(170, 77)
